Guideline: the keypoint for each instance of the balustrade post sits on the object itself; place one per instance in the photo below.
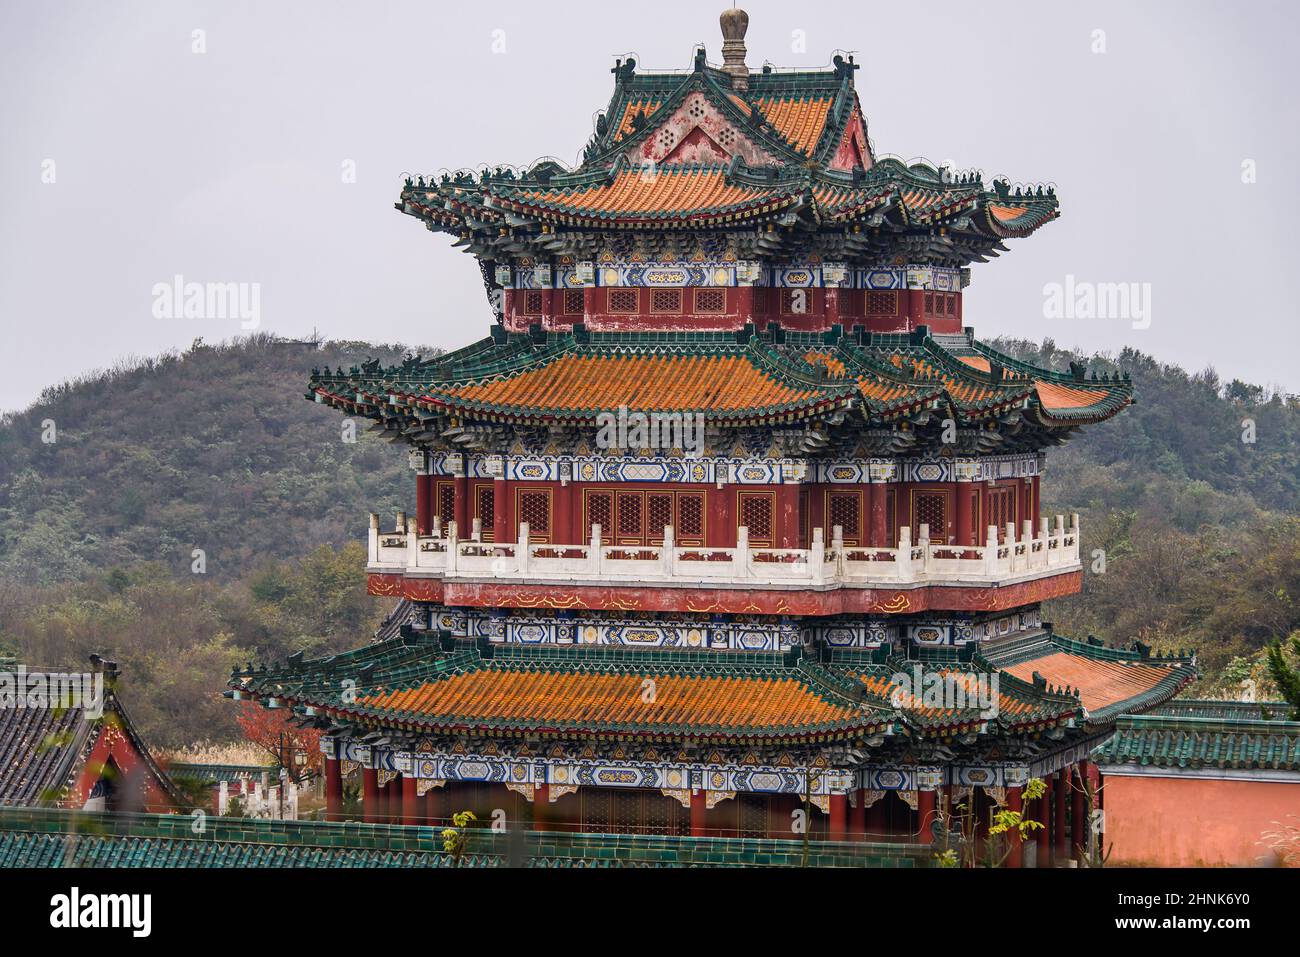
(412, 546)
(453, 548)
(437, 526)
(817, 557)
(742, 552)
(991, 551)
(372, 539)
(903, 557)
(923, 541)
(401, 522)
(521, 549)
(1075, 551)
(666, 557)
(837, 546)
(476, 530)
(595, 560)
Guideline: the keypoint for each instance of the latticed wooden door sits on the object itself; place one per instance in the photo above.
(845, 510)
(756, 512)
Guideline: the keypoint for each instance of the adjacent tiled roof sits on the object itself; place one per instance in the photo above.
(732, 378)
(1107, 681)
(41, 750)
(1206, 735)
(216, 773)
(55, 838)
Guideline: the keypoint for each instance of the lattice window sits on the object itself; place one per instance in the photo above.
(622, 300)
(666, 300)
(727, 137)
(485, 510)
(845, 509)
(931, 509)
(882, 303)
(575, 302)
(690, 515)
(756, 515)
(711, 302)
(600, 511)
(631, 520)
(445, 502)
(696, 109)
(796, 302)
(659, 512)
(665, 138)
(1002, 510)
(929, 304)
(950, 302)
(532, 303)
(535, 509)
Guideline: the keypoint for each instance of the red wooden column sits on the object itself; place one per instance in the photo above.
(1060, 789)
(744, 299)
(423, 500)
(966, 533)
(879, 535)
(787, 515)
(858, 816)
(410, 803)
(541, 807)
(502, 527)
(333, 790)
(463, 511)
(562, 520)
(925, 809)
(373, 813)
(838, 823)
(1043, 836)
(1079, 812)
(1015, 802)
(699, 813)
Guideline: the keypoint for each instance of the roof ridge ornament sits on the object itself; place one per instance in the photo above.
(735, 23)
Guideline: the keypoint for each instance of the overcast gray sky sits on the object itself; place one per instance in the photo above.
(226, 165)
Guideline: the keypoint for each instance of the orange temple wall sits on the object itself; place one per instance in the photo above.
(1186, 822)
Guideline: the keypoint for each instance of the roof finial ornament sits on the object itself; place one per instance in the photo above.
(734, 23)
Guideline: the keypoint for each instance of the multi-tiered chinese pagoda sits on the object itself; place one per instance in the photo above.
(704, 641)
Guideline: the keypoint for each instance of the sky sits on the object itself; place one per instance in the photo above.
(268, 148)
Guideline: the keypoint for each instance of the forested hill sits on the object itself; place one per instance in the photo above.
(212, 449)
(216, 449)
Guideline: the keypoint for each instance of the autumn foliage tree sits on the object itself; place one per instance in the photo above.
(273, 732)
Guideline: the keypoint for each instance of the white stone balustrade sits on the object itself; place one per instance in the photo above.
(1002, 558)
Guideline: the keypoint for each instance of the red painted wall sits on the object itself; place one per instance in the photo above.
(138, 787)
(1184, 822)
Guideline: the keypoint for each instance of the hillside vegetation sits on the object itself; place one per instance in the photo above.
(193, 511)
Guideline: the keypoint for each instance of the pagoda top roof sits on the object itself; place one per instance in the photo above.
(732, 378)
(724, 147)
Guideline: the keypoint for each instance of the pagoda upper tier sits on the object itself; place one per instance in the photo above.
(780, 159)
(856, 393)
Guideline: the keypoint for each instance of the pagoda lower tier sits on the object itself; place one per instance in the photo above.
(853, 743)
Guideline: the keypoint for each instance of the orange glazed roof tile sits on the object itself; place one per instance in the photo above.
(668, 190)
(799, 121)
(556, 698)
(1099, 683)
(1054, 396)
(713, 383)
